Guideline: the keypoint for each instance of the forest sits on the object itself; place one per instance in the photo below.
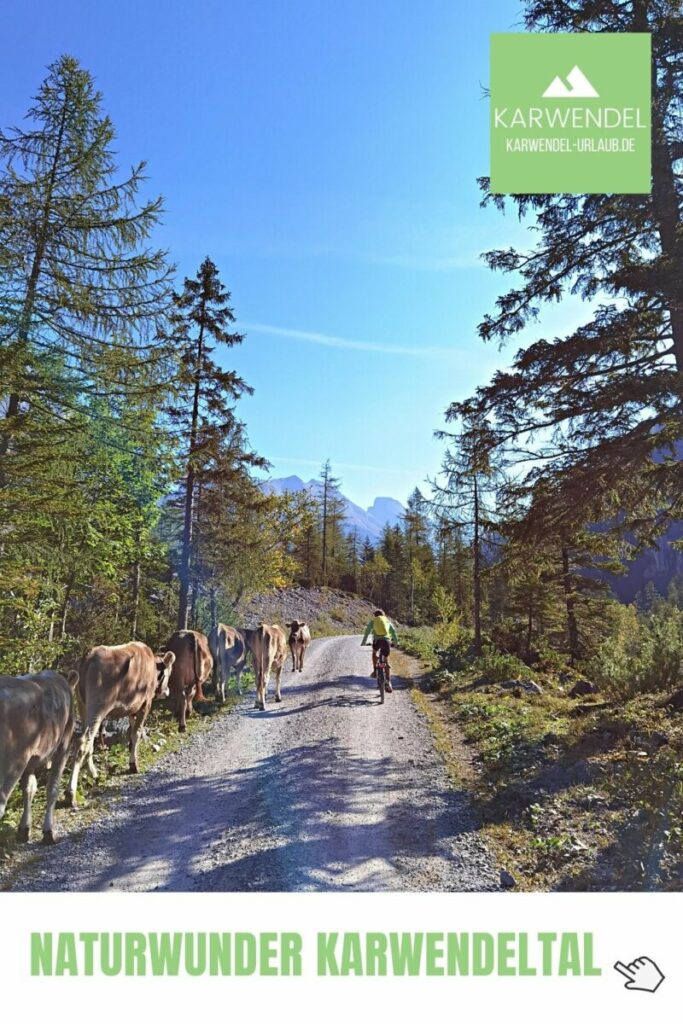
(131, 501)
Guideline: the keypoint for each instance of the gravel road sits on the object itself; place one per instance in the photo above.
(327, 791)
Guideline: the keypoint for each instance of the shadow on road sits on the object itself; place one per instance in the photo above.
(294, 820)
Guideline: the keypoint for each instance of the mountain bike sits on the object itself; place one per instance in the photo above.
(381, 675)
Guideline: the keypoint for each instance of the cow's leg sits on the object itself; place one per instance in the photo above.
(182, 710)
(136, 723)
(292, 648)
(278, 681)
(217, 671)
(13, 772)
(29, 786)
(85, 750)
(260, 702)
(92, 770)
(52, 791)
(238, 681)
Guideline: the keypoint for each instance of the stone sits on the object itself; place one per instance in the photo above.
(582, 687)
(524, 684)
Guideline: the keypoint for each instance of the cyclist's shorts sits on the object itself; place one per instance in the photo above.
(380, 643)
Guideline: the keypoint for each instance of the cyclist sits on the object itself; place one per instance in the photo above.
(383, 631)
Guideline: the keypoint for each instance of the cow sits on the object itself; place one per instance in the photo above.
(117, 682)
(193, 666)
(36, 726)
(268, 648)
(299, 639)
(229, 651)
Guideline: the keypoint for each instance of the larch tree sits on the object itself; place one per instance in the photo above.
(77, 265)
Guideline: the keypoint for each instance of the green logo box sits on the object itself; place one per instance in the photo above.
(570, 112)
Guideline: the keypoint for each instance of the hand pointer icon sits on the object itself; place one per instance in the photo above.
(642, 975)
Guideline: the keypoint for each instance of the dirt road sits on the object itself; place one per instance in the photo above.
(326, 791)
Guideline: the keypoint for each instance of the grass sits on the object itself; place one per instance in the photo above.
(112, 764)
(574, 794)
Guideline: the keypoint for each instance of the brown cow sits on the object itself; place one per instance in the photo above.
(229, 651)
(268, 647)
(299, 639)
(117, 682)
(193, 666)
(36, 726)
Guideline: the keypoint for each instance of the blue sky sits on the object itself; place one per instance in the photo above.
(325, 155)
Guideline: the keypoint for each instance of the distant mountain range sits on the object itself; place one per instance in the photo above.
(369, 523)
(658, 565)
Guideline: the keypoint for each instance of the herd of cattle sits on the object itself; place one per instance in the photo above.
(37, 711)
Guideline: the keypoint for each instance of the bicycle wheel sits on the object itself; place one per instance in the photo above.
(380, 681)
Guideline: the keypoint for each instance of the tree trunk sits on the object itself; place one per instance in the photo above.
(137, 578)
(65, 602)
(324, 558)
(186, 554)
(476, 552)
(570, 598)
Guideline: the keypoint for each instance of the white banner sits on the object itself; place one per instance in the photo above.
(336, 957)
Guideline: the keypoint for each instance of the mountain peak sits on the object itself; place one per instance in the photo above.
(367, 523)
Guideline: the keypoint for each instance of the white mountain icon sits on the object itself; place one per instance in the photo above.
(580, 86)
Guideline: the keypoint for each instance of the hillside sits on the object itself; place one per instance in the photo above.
(325, 610)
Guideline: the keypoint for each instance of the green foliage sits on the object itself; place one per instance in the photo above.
(495, 667)
(644, 652)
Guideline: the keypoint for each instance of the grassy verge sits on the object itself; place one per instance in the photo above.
(112, 763)
(575, 793)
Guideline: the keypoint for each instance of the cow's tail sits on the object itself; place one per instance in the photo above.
(214, 642)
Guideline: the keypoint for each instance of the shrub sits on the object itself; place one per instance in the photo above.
(644, 653)
(496, 667)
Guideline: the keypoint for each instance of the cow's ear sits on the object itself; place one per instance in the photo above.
(288, 625)
(72, 679)
(168, 659)
(303, 625)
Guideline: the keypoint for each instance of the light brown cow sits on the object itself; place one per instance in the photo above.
(117, 682)
(193, 666)
(268, 647)
(36, 726)
(299, 639)
(229, 651)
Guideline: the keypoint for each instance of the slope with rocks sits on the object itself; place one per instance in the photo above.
(328, 612)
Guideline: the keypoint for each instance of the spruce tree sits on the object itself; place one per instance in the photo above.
(204, 401)
(465, 499)
(601, 405)
(331, 518)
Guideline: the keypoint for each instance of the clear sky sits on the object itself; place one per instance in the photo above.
(325, 155)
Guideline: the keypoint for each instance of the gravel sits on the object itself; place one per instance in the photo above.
(327, 791)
